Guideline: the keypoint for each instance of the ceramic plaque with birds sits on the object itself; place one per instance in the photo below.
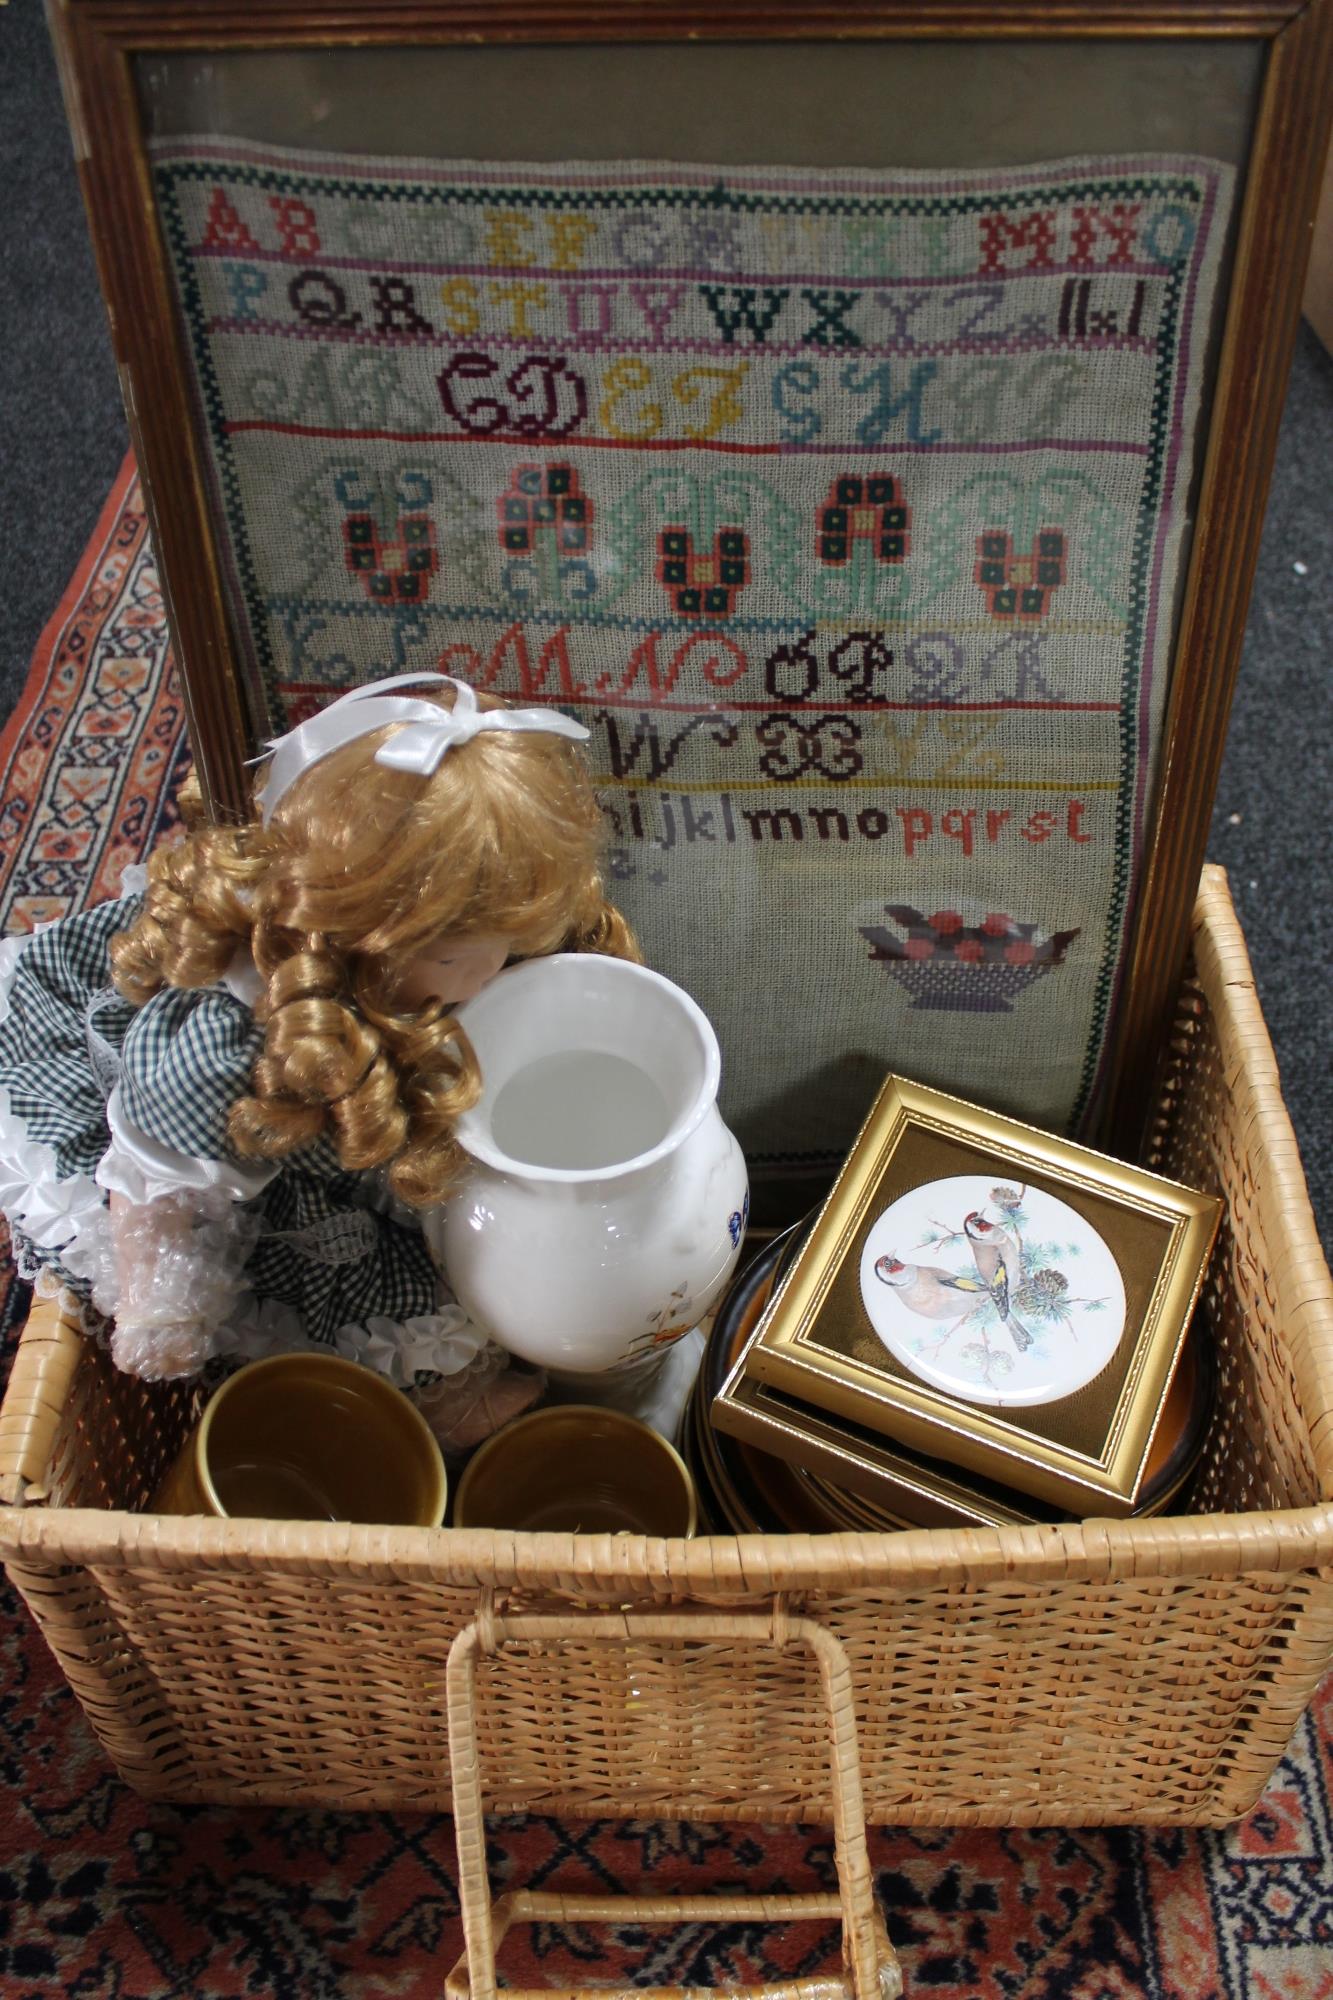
(998, 1293)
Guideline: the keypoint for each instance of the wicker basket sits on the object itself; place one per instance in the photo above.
(1136, 1671)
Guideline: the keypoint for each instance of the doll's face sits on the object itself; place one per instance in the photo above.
(455, 968)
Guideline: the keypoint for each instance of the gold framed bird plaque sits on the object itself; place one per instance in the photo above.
(993, 1296)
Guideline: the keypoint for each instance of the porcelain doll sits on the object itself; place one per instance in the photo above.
(225, 1100)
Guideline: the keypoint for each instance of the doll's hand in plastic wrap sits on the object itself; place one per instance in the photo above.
(465, 1408)
(177, 1267)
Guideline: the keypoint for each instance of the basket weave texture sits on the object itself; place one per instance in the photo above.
(1144, 1671)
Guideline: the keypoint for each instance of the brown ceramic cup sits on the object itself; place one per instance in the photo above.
(578, 1469)
(309, 1437)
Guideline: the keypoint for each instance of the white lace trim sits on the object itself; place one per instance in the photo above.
(346, 1237)
(53, 1212)
(142, 1168)
(440, 1343)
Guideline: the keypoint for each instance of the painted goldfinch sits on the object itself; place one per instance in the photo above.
(925, 1289)
(999, 1267)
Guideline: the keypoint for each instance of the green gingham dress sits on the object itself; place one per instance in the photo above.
(99, 1096)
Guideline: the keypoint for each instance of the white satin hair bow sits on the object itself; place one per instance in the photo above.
(428, 731)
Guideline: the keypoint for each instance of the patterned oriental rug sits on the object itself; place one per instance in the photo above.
(106, 1898)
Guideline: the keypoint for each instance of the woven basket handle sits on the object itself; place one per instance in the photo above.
(872, 1970)
(48, 1352)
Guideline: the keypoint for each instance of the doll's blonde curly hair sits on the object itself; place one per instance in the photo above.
(360, 871)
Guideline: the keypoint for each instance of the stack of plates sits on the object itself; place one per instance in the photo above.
(745, 1491)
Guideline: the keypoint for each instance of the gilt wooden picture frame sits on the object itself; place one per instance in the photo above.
(993, 1297)
(861, 416)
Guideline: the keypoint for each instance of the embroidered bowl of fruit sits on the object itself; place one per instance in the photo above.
(952, 965)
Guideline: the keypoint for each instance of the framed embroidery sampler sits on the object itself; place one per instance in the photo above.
(859, 416)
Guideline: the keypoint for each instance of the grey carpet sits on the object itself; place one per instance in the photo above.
(62, 431)
(1273, 819)
(64, 436)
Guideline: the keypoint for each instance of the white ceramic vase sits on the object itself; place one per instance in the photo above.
(604, 1209)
